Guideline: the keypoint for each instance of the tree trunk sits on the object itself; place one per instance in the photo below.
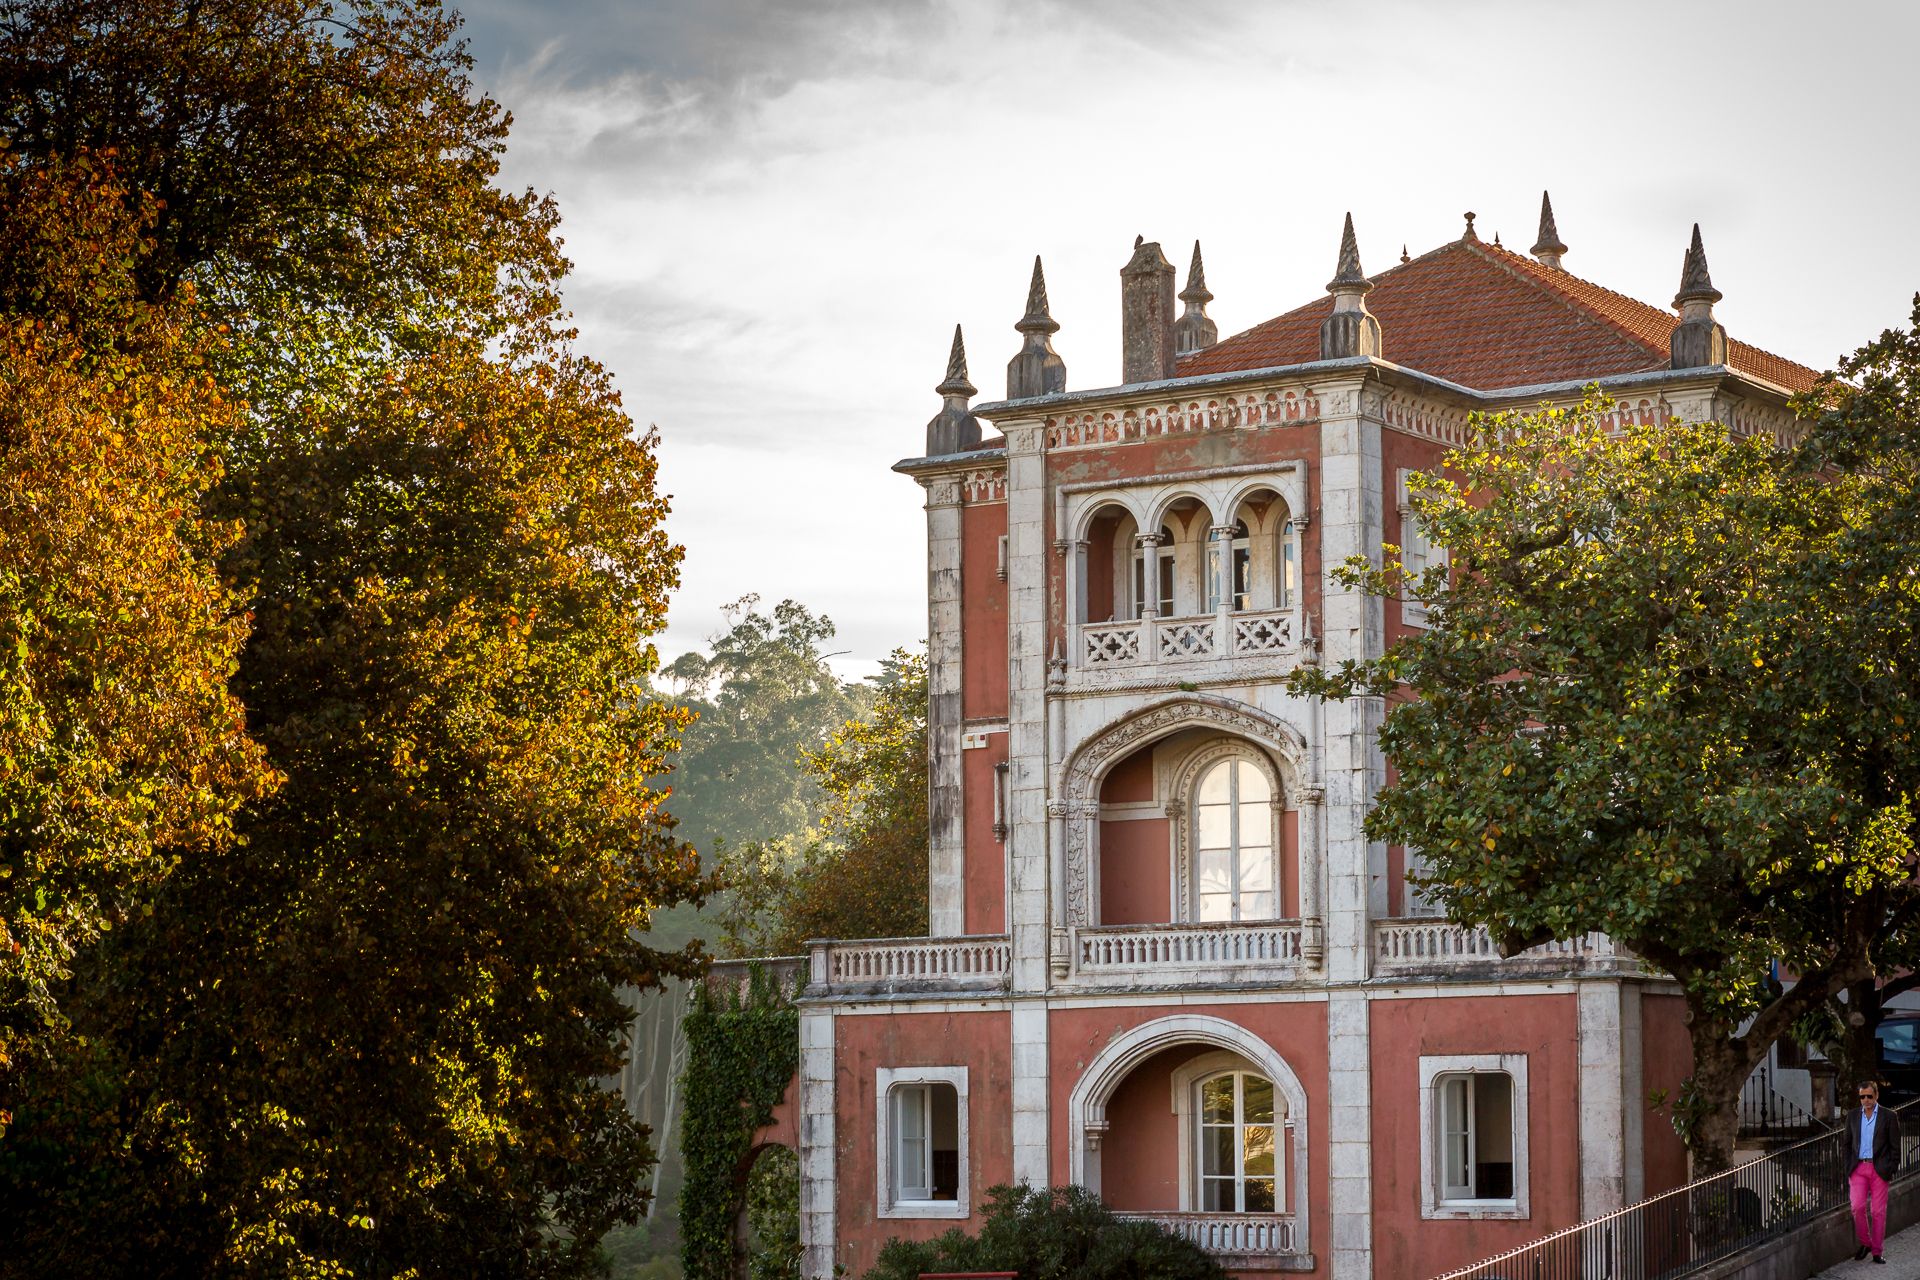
(1711, 1101)
(1863, 1047)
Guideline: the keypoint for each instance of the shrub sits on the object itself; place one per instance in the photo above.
(1057, 1233)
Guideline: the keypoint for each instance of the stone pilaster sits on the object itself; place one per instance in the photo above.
(1031, 1114)
(817, 1145)
(1353, 623)
(1611, 1175)
(946, 847)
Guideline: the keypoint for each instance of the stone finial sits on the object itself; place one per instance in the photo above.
(1695, 283)
(1195, 332)
(1469, 233)
(1699, 340)
(1146, 315)
(1405, 257)
(1548, 247)
(1038, 369)
(1347, 276)
(954, 429)
(1351, 330)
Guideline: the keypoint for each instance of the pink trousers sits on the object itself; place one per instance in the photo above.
(1863, 1185)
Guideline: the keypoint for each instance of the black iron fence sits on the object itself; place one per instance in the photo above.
(1764, 1113)
(1689, 1228)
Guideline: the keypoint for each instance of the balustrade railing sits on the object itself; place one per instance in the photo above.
(1134, 642)
(1243, 1236)
(1418, 945)
(969, 963)
(1265, 944)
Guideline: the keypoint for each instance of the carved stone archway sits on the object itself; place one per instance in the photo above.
(1079, 803)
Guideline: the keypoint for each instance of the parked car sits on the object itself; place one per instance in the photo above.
(1899, 1039)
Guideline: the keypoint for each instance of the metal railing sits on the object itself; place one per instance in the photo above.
(1689, 1228)
(1764, 1113)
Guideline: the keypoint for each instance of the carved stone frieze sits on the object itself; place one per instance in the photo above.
(1224, 412)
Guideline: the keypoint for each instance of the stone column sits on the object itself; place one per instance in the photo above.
(1221, 536)
(1350, 523)
(1611, 1175)
(817, 1144)
(1149, 544)
(1313, 927)
(946, 845)
(1031, 858)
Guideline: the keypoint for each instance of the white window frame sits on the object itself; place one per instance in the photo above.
(1187, 1079)
(886, 1079)
(1418, 553)
(1432, 1070)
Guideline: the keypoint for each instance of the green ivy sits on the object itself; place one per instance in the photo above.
(743, 1050)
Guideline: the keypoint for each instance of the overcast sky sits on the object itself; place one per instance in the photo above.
(778, 211)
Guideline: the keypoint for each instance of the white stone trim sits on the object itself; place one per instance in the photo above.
(1431, 1068)
(885, 1079)
(1087, 1104)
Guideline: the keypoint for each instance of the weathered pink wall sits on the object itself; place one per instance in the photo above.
(1398, 451)
(1543, 1028)
(1666, 1060)
(1133, 872)
(981, 1042)
(983, 614)
(1297, 1031)
(984, 878)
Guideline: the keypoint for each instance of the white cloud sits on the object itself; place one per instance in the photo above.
(778, 212)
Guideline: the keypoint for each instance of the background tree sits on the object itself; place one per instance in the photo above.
(1624, 716)
(366, 1036)
(861, 872)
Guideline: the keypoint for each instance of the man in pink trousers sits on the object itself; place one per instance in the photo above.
(1873, 1147)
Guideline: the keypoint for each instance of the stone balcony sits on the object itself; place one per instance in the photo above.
(1140, 652)
(1237, 1241)
(1163, 955)
(1424, 947)
(890, 966)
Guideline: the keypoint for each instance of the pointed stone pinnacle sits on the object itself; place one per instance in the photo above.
(1037, 319)
(1347, 277)
(1196, 290)
(956, 383)
(1405, 257)
(1695, 283)
(1548, 247)
(1469, 233)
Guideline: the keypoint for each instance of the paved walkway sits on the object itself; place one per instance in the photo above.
(1903, 1261)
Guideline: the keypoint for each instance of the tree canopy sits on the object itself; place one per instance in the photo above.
(359, 1025)
(1637, 709)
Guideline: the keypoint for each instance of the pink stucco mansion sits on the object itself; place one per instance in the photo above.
(1166, 962)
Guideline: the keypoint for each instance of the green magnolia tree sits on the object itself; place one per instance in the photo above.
(861, 870)
(1635, 709)
(365, 1035)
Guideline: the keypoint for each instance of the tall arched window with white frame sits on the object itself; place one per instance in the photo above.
(1238, 1164)
(1236, 872)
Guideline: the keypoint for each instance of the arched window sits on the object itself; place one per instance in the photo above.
(1239, 568)
(1237, 1148)
(1234, 864)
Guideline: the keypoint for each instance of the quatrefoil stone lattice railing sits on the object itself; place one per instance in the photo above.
(1107, 646)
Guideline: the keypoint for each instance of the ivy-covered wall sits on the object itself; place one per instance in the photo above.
(743, 1050)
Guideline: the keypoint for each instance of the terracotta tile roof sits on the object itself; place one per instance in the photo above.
(1487, 318)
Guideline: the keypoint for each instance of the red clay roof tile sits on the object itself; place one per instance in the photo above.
(1487, 318)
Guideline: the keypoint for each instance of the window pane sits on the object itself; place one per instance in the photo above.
(1216, 1100)
(1253, 783)
(1256, 906)
(1256, 870)
(1216, 906)
(1215, 870)
(1216, 1150)
(1260, 1195)
(1216, 1195)
(911, 1175)
(1139, 583)
(1214, 829)
(912, 1110)
(1257, 1150)
(1259, 1100)
(1213, 785)
(943, 1125)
